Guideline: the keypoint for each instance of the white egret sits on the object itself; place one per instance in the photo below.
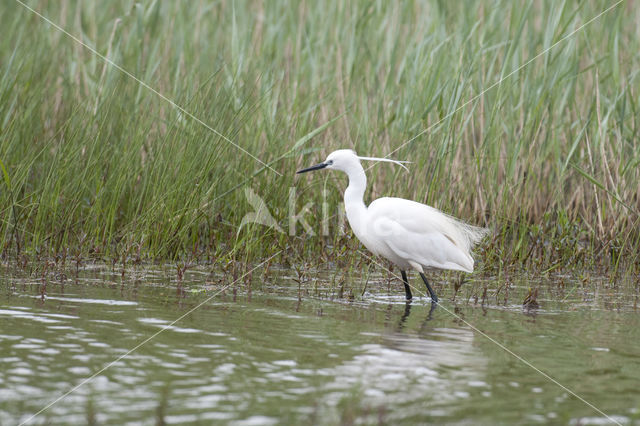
(409, 234)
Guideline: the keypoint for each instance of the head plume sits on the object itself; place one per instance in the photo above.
(387, 160)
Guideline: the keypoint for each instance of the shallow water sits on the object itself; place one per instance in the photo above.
(266, 357)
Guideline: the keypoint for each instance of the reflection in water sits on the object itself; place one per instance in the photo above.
(409, 377)
(407, 312)
(405, 315)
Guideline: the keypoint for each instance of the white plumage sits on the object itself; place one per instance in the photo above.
(410, 234)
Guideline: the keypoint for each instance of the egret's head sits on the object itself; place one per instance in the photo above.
(347, 160)
(342, 159)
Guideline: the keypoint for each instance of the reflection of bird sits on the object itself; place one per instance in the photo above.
(407, 312)
(409, 234)
(405, 315)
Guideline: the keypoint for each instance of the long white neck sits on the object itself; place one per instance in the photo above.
(353, 197)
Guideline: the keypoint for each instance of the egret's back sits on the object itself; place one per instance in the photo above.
(423, 234)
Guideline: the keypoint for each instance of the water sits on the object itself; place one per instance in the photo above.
(264, 357)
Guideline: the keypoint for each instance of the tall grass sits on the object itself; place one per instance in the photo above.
(95, 164)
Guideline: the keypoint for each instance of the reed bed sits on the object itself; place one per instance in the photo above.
(543, 151)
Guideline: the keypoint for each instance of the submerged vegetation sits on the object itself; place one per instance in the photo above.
(94, 164)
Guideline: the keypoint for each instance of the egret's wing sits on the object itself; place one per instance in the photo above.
(428, 249)
(417, 232)
(422, 219)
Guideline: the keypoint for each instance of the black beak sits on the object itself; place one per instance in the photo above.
(312, 168)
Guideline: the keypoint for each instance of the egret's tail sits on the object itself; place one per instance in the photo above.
(464, 235)
(475, 234)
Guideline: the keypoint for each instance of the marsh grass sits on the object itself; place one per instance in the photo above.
(95, 165)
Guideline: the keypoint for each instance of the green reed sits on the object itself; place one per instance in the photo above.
(95, 164)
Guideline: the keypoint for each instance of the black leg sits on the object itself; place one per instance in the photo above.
(407, 290)
(432, 293)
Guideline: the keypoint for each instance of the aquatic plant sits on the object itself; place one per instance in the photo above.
(96, 165)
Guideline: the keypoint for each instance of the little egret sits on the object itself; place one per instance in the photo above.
(409, 234)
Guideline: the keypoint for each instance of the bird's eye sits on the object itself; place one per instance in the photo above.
(329, 162)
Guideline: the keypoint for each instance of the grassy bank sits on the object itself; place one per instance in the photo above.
(95, 164)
